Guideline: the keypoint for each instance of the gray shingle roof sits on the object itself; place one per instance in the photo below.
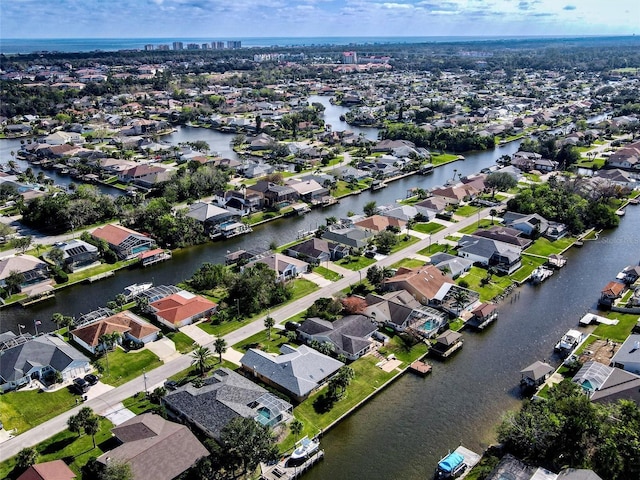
(350, 334)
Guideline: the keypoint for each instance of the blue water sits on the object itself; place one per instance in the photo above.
(30, 45)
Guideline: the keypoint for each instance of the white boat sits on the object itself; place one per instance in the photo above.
(304, 449)
(136, 289)
(569, 341)
(540, 274)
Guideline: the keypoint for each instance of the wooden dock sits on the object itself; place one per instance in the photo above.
(420, 367)
(100, 276)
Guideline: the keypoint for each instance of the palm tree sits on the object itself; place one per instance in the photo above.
(220, 346)
(269, 322)
(296, 427)
(109, 340)
(460, 298)
(91, 427)
(201, 359)
(493, 212)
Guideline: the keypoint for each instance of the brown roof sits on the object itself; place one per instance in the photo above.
(121, 322)
(155, 448)
(427, 279)
(55, 470)
(176, 308)
(150, 253)
(613, 289)
(114, 234)
(379, 223)
(483, 309)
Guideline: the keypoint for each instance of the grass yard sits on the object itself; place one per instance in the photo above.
(261, 341)
(435, 248)
(484, 223)
(529, 264)
(495, 287)
(356, 263)
(620, 332)
(97, 270)
(428, 228)
(183, 343)
(466, 210)
(75, 451)
(443, 158)
(124, 366)
(224, 328)
(405, 352)
(404, 242)
(408, 263)
(367, 379)
(545, 247)
(328, 274)
(25, 409)
(301, 288)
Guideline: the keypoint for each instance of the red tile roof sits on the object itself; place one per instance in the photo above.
(114, 234)
(177, 307)
(121, 322)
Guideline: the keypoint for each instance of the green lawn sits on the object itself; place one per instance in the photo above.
(97, 270)
(25, 409)
(367, 379)
(408, 263)
(545, 247)
(139, 404)
(466, 210)
(124, 366)
(261, 341)
(404, 242)
(328, 274)
(484, 223)
(405, 352)
(529, 264)
(487, 292)
(261, 216)
(355, 263)
(435, 248)
(428, 228)
(301, 288)
(620, 332)
(443, 158)
(75, 451)
(183, 342)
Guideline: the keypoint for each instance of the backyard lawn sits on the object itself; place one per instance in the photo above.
(25, 409)
(75, 451)
(443, 158)
(261, 341)
(97, 270)
(545, 247)
(529, 264)
(484, 223)
(435, 248)
(487, 292)
(620, 332)
(121, 366)
(429, 228)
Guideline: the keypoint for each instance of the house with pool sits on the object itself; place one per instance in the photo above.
(125, 242)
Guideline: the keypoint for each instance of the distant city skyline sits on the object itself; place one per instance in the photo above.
(306, 18)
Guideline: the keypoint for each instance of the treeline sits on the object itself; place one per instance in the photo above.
(195, 181)
(571, 202)
(455, 140)
(549, 147)
(569, 430)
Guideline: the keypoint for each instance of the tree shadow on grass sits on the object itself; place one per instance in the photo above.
(323, 403)
(59, 445)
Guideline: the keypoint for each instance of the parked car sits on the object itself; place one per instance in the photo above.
(291, 326)
(91, 379)
(170, 384)
(81, 385)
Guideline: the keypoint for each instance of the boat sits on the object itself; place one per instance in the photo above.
(620, 212)
(304, 449)
(634, 201)
(540, 274)
(456, 463)
(377, 185)
(136, 289)
(569, 341)
(426, 169)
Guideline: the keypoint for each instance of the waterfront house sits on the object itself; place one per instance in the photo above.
(483, 315)
(154, 448)
(379, 223)
(285, 267)
(490, 253)
(308, 190)
(181, 308)
(297, 372)
(628, 355)
(451, 264)
(54, 470)
(317, 250)
(208, 214)
(610, 293)
(225, 395)
(532, 225)
(349, 335)
(605, 384)
(502, 234)
(78, 254)
(127, 324)
(146, 176)
(33, 270)
(125, 242)
(422, 283)
(351, 237)
(625, 158)
(535, 374)
(276, 196)
(37, 358)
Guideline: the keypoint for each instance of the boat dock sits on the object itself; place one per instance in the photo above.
(471, 459)
(281, 471)
(100, 276)
(421, 368)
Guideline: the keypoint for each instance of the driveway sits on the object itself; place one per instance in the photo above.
(197, 334)
(317, 279)
(164, 348)
(118, 414)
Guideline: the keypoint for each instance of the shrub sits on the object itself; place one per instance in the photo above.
(464, 283)
(59, 275)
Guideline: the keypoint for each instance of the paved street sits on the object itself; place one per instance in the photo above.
(110, 399)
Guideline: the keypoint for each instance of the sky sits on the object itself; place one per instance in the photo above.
(314, 18)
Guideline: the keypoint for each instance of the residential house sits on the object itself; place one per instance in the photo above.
(603, 383)
(317, 250)
(127, 324)
(125, 242)
(262, 141)
(433, 206)
(276, 196)
(257, 170)
(297, 372)
(54, 470)
(225, 395)
(545, 165)
(208, 214)
(456, 194)
(37, 358)
(535, 374)
(145, 175)
(616, 176)
(349, 335)
(389, 145)
(352, 237)
(407, 213)
(628, 355)
(379, 223)
(285, 267)
(308, 190)
(33, 270)
(502, 234)
(241, 202)
(532, 225)
(181, 308)
(351, 174)
(611, 292)
(423, 283)
(490, 253)
(154, 448)
(78, 254)
(400, 311)
(625, 158)
(60, 138)
(451, 264)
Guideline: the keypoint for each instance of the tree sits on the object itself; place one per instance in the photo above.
(220, 346)
(74, 424)
(21, 243)
(460, 298)
(340, 381)
(14, 281)
(493, 212)
(296, 427)
(116, 471)
(500, 181)
(91, 427)
(201, 359)
(370, 208)
(385, 241)
(121, 300)
(56, 255)
(269, 322)
(354, 305)
(247, 443)
(26, 457)
(62, 321)
(142, 303)
(109, 340)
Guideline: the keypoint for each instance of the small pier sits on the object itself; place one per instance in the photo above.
(152, 257)
(281, 471)
(420, 368)
(100, 276)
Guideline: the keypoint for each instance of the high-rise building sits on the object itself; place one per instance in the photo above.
(205, 46)
(193, 46)
(234, 44)
(162, 47)
(349, 58)
(217, 45)
(178, 45)
(149, 47)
